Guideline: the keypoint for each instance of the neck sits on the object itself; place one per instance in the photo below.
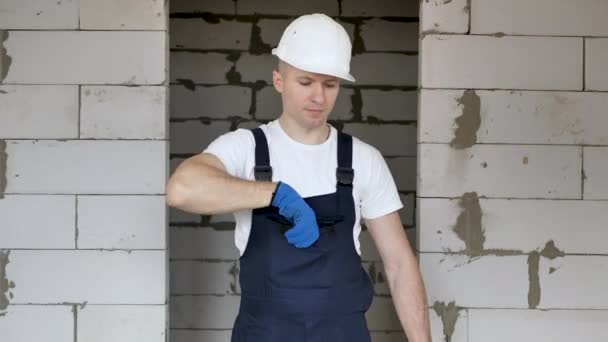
(305, 135)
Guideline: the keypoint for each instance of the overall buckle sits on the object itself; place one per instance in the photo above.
(345, 175)
(263, 173)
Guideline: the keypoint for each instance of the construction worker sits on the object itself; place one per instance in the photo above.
(298, 189)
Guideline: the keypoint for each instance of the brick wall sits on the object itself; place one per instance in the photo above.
(221, 80)
(513, 152)
(511, 145)
(83, 166)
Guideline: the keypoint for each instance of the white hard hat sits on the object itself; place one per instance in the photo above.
(316, 43)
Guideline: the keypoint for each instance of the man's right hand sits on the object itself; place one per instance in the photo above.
(292, 206)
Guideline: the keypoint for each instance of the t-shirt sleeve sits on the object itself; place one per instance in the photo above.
(379, 195)
(233, 149)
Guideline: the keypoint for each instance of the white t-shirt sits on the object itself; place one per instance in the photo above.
(310, 170)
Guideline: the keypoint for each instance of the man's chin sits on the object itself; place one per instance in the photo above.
(313, 122)
(305, 119)
(314, 116)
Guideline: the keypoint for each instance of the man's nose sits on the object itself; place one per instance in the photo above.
(318, 95)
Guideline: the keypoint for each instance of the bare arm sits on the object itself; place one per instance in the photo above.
(403, 274)
(201, 185)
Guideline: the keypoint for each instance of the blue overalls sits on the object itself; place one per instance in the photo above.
(314, 294)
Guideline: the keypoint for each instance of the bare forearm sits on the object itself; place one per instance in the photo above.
(409, 298)
(207, 190)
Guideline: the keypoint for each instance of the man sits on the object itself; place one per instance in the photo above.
(298, 189)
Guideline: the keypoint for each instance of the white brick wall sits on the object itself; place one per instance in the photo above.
(86, 276)
(546, 17)
(83, 169)
(54, 114)
(535, 325)
(86, 57)
(121, 323)
(86, 166)
(596, 63)
(514, 112)
(514, 171)
(119, 112)
(518, 117)
(467, 281)
(118, 15)
(596, 168)
(444, 16)
(530, 151)
(121, 222)
(456, 61)
(573, 282)
(52, 227)
(53, 323)
(511, 224)
(36, 14)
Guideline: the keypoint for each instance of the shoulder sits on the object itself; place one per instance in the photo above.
(369, 164)
(239, 138)
(235, 151)
(239, 134)
(364, 152)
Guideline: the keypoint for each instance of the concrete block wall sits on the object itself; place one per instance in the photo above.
(512, 193)
(83, 168)
(221, 80)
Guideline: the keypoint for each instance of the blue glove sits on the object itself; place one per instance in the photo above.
(292, 206)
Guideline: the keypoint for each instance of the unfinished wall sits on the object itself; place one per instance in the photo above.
(221, 80)
(83, 166)
(512, 162)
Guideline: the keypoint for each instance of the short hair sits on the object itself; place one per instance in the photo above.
(281, 66)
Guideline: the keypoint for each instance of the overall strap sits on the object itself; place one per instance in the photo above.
(345, 173)
(263, 170)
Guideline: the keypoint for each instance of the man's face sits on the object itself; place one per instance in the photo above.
(308, 98)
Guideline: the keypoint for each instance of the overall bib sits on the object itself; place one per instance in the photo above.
(314, 294)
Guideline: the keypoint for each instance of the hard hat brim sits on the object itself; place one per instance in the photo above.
(347, 76)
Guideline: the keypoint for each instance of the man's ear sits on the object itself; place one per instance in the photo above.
(277, 81)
